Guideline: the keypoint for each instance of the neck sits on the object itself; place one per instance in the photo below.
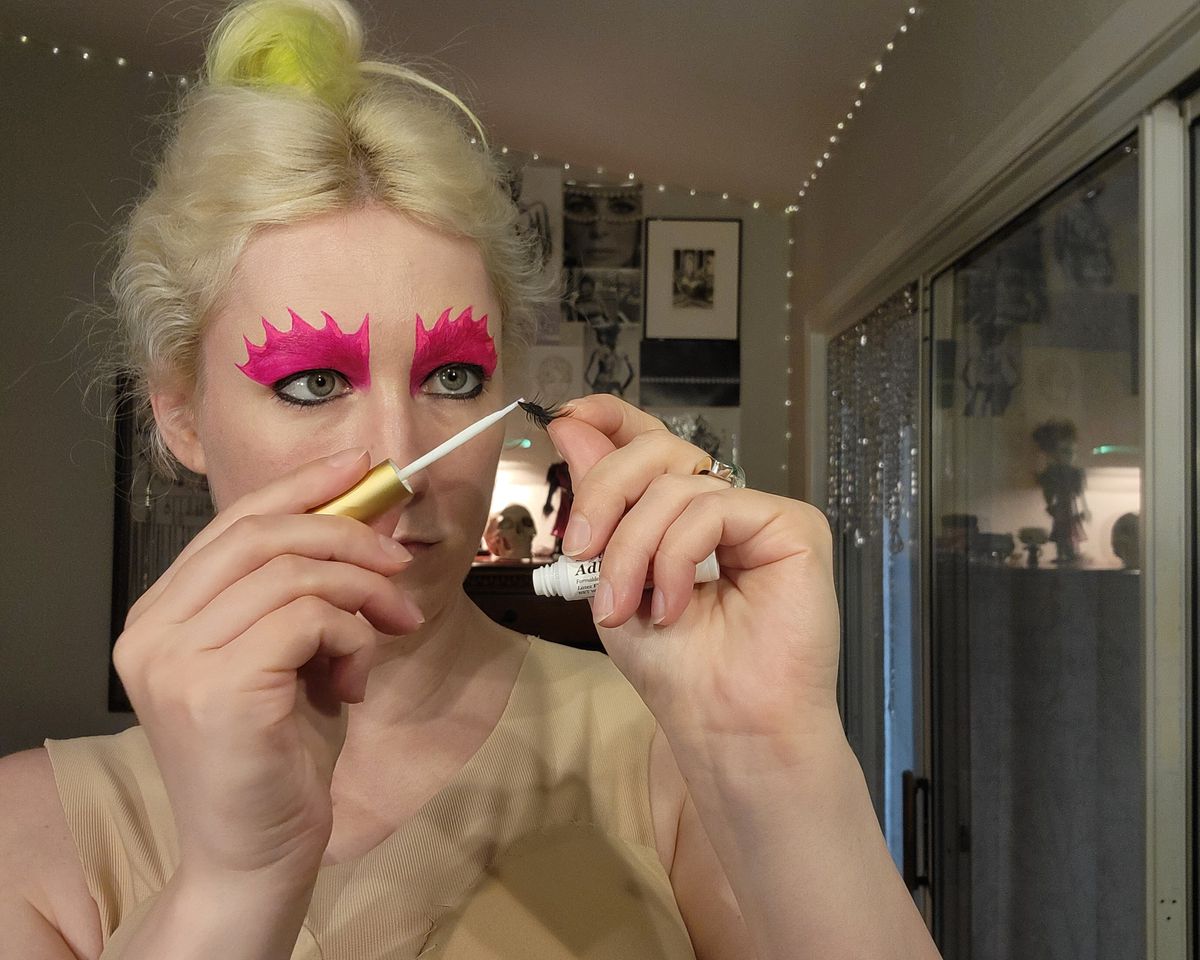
(421, 678)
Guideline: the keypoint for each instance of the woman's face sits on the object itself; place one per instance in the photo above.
(602, 231)
(271, 400)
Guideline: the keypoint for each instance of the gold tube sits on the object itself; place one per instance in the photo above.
(380, 489)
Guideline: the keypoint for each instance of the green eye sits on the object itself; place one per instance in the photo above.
(458, 380)
(309, 387)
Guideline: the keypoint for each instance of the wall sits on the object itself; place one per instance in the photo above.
(761, 442)
(72, 128)
(67, 168)
(971, 90)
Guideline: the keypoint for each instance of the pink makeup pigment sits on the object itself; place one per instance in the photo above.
(304, 347)
(463, 340)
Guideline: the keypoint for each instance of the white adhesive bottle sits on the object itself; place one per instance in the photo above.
(576, 579)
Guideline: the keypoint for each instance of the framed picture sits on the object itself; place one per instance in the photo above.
(693, 279)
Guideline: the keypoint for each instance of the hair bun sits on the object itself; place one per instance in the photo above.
(311, 45)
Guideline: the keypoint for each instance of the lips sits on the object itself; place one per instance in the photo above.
(415, 547)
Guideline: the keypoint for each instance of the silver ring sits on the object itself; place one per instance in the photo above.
(731, 473)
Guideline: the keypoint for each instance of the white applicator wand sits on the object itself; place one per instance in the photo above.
(456, 441)
(386, 484)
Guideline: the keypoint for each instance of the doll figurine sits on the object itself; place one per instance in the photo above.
(1062, 486)
(559, 479)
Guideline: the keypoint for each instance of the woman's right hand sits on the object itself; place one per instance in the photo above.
(238, 661)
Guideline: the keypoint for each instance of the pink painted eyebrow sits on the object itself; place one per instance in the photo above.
(304, 347)
(463, 340)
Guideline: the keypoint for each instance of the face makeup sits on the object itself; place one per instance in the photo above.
(462, 341)
(305, 347)
(576, 579)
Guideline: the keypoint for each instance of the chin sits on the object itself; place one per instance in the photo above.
(436, 574)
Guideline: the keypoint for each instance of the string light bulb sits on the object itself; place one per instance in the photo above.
(876, 69)
(183, 81)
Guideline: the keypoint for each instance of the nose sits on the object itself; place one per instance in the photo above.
(389, 431)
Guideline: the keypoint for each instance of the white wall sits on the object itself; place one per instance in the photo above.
(968, 92)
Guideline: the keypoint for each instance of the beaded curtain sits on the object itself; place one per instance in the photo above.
(872, 413)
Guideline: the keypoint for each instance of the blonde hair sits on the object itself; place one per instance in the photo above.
(288, 123)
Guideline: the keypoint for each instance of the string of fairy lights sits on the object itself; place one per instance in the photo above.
(863, 87)
(572, 170)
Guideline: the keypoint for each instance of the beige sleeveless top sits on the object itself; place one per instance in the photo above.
(541, 847)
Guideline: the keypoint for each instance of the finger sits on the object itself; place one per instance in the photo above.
(251, 541)
(308, 486)
(630, 551)
(284, 579)
(748, 529)
(611, 416)
(616, 482)
(580, 444)
(594, 426)
(283, 641)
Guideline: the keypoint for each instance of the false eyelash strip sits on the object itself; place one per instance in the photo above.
(542, 415)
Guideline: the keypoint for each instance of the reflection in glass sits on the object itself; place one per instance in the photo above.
(1037, 468)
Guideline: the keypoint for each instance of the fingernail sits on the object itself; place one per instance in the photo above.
(658, 607)
(602, 603)
(413, 610)
(578, 536)
(393, 548)
(346, 457)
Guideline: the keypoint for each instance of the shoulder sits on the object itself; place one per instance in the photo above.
(566, 673)
(38, 859)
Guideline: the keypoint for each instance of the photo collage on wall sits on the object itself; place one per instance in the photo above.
(593, 340)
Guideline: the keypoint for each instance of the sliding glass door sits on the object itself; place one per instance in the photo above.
(1038, 460)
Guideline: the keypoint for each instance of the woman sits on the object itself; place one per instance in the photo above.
(338, 754)
(602, 226)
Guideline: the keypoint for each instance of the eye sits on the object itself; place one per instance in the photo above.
(579, 206)
(309, 388)
(461, 381)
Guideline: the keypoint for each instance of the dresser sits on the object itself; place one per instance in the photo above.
(503, 589)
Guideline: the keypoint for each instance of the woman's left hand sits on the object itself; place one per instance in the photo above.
(753, 654)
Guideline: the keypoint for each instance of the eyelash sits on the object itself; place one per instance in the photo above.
(293, 402)
(300, 375)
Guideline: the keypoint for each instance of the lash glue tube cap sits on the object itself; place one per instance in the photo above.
(575, 579)
(379, 490)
